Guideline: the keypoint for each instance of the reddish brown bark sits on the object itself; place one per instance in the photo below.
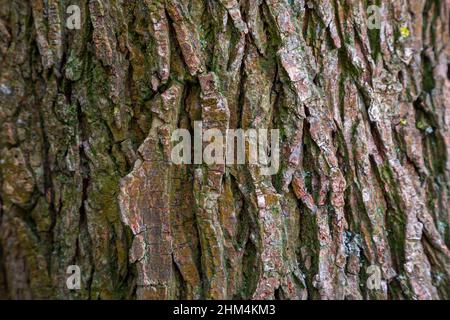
(86, 119)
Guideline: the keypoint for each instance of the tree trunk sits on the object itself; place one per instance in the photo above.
(87, 117)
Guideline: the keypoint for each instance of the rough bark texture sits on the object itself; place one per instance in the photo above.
(86, 118)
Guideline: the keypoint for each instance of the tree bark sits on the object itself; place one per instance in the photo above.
(86, 119)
